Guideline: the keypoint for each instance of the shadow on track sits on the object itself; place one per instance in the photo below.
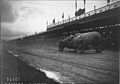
(13, 68)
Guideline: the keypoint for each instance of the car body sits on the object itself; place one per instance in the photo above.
(83, 41)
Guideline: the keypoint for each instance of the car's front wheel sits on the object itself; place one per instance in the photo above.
(61, 47)
(80, 47)
(99, 50)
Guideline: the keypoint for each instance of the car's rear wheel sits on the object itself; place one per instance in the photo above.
(100, 47)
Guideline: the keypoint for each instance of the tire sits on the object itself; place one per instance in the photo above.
(61, 47)
(80, 48)
(78, 51)
(99, 50)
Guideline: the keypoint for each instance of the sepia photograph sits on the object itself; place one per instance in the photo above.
(59, 41)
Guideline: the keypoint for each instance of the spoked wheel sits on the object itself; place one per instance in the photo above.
(100, 48)
(61, 47)
(102, 45)
(80, 47)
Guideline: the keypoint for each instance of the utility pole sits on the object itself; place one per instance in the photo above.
(94, 9)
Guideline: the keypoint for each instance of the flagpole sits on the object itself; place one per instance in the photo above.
(84, 6)
(108, 1)
(75, 5)
(84, 3)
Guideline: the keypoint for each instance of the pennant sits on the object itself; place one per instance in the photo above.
(54, 21)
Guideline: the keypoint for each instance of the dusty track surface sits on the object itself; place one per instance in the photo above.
(87, 68)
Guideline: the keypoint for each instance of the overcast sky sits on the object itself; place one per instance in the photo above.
(25, 17)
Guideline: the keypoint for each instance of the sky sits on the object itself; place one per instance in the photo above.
(21, 18)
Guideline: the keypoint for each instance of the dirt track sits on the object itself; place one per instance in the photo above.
(89, 67)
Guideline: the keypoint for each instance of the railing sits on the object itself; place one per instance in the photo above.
(96, 11)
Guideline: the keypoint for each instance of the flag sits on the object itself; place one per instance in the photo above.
(54, 21)
(63, 15)
(108, 1)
